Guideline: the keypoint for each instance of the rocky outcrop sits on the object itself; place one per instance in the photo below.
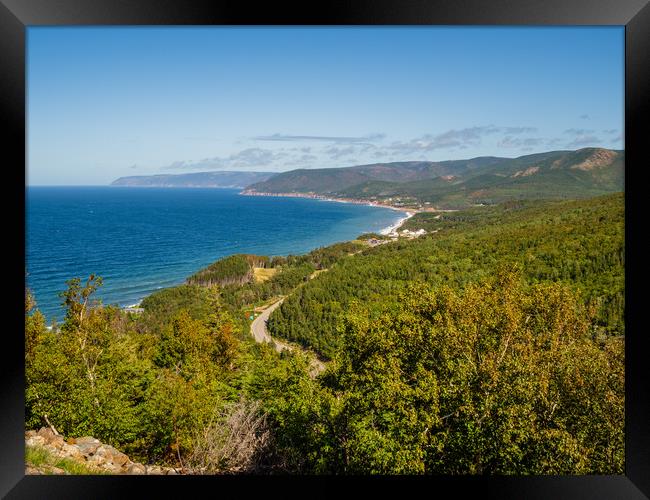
(599, 158)
(87, 451)
(526, 173)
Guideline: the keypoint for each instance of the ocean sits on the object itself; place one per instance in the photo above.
(143, 239)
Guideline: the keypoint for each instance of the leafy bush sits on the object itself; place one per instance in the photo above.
(499, 378)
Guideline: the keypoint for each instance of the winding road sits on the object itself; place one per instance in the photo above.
(261, 335)
(259, 331)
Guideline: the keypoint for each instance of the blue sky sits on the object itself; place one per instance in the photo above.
(108, 102)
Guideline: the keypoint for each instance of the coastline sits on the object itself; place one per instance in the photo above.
(395, 227)
(392, 221)
(314, 196)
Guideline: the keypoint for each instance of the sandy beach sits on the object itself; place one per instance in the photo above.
(410, 212)
(397, 225)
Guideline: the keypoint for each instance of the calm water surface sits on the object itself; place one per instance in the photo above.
(143, 239)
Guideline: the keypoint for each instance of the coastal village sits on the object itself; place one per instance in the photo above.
(396, 203)
(395, 234)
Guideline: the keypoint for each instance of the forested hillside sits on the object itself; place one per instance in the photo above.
(580, 243)
(455, 184)
(491, 346)
(232, 269)
(335, 180)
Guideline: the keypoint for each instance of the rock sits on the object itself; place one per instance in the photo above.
(109, 458)
(50, 438)
(33, 471)
(88, 451)
(155, 470)
(34, 440)
(136, 469)
(96, 460)
(120, 459)
(87, 445)
(45, 432)
(68, 450)
(112, 468)
(105, 452)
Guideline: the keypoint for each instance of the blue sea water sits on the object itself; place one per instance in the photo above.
(142, 239)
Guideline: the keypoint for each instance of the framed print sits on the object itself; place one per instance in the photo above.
(377, 240)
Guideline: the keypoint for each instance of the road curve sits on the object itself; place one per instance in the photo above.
(259, 331)
(261, 334)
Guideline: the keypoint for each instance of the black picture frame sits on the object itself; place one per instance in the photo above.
(16, 15)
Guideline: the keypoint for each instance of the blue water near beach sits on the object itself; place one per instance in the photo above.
(142, 239)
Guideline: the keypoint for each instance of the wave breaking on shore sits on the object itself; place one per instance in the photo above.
(393, 228)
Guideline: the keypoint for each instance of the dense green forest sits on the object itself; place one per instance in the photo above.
(580, 243)
(233, 269)
(491, 345)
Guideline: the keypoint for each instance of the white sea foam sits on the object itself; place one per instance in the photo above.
(397, 225)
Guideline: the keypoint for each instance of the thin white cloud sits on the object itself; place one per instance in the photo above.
(325, 138)
(579, 131)
(525, 144)
(461, 138)
(446, 140)
(247, 158)
(337, 151)
(519, 130)
(584, 140)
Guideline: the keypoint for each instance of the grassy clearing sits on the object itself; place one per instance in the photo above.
(262, 274)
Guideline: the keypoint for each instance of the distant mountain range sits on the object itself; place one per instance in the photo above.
(445, 184)
(199, 179)
(451, 184)
(334, 180)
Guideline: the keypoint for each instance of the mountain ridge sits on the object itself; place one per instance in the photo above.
(224, 179)
(459, 183)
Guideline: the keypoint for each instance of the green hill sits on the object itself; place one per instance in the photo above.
(455, 184)
(580, 243)
(334, 180)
